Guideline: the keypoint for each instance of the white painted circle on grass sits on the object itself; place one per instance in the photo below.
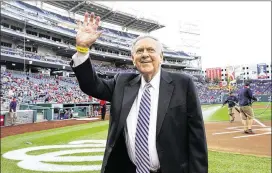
(37, 162)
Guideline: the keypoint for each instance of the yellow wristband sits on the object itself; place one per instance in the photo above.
(82, 49)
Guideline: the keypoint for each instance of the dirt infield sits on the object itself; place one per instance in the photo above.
(261, 106)
(229, 137)
(221, 136)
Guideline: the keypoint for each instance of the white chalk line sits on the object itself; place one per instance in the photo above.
(236, 127)
(251, 135)
(236, 131)
(221, 133)
(257, 121)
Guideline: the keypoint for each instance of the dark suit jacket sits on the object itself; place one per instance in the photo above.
(180, 136)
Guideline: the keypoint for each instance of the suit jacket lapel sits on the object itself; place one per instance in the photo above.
(129, 95)
(165, 94)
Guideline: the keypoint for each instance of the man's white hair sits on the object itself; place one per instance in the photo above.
(143, 37)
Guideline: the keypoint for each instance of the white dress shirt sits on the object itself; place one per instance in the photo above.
(79, 58)
(131, 122)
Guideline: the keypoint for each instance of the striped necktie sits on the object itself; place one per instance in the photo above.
(142, 130)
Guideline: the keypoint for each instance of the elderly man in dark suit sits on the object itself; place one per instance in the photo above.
(156, 122)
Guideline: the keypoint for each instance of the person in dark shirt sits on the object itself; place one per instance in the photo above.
(12, 111)
(232, 101)
(103, 109)
(245, 98)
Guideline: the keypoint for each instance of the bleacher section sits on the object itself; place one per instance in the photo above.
(40, 41)
(45, 14)
(35, 56)
(7, 53)
(43, 18)
(36, 88)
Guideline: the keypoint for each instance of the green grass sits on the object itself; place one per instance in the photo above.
(64, 135)
(220, 115)
(85, 154)
(77, 163)
(262, 114)
(55, 136)
(219, 162)
(38, 152)
(205, 107)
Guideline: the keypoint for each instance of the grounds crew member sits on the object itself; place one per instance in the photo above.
(232, 101)
(245, 98)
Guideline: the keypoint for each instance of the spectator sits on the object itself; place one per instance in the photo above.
(12, 111)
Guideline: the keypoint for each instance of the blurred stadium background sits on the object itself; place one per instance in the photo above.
(36, 47)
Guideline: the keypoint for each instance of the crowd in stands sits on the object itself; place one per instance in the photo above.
(35, 88)
(259, 86)
(38, 88)
(212, 93)
(61, 60)
(103, 69)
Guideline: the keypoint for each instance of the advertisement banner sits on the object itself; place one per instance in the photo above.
(261, 71)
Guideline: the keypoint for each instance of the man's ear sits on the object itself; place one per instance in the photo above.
(161, 57)
(133, 61)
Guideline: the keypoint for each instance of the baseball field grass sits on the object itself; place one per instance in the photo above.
(262, 112)
(219, 162)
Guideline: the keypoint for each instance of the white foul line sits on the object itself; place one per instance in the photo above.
(220, 133)
(236, 131)
(236, 127)
(250, 135)
(257, 121)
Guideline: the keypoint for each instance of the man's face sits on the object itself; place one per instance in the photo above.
(147, 56)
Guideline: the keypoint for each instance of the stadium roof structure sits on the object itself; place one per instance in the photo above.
(108, 14)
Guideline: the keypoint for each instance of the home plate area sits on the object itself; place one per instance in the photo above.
(238, 131)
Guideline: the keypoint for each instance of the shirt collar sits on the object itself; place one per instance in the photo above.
(155, 81)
